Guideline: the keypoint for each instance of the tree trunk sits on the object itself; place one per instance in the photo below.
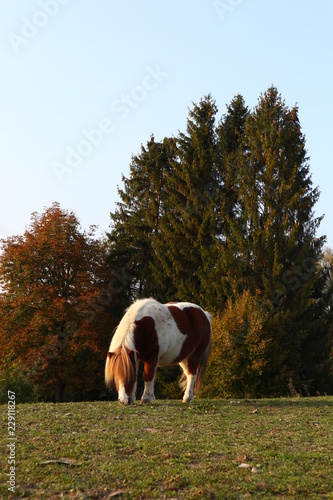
(59, 390)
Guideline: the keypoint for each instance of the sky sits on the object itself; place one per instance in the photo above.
(85, 83)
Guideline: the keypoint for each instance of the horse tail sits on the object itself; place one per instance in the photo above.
(204, 360)
(120, 366)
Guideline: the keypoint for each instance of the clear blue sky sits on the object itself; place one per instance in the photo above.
(130, 69)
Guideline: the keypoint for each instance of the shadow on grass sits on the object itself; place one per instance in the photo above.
(199, 403)
(303, 402)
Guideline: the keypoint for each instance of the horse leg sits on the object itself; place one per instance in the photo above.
(132, 396)
(190, 380)
(149, 373)
(189, 394)
(122, 396)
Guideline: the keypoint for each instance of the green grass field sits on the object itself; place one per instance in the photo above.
(171, 450)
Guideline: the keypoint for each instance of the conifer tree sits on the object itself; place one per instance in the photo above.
(228, 269)
(280, 248)
(276, 192)
(137, 219)
(317, 350)
(227, 212)
(188, 226)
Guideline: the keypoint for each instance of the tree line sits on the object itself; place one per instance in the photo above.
(221, 215)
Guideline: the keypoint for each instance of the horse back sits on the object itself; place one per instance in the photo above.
(171, 332)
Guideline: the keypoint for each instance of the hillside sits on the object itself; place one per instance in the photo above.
(172, 450)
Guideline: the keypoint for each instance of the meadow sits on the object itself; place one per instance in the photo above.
(267, 448)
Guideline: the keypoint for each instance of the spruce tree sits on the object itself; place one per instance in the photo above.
(225, 215)
(188, 226)
(280, 247)
(317, 349)
(230, 269)
(137, 218)
(277, 192)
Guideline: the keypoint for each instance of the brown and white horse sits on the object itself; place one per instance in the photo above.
(159, 335)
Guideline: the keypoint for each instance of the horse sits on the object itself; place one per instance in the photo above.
(159, 335)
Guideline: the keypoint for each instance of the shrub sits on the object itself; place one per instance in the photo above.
(14, 378)
(239, 349)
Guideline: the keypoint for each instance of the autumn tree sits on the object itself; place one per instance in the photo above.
(54, 315)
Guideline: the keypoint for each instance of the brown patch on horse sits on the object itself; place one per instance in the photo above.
(149, 370)
(180, 318)
(193, 323)
(146, 345)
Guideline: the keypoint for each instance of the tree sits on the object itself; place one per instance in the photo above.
(226, 213)
(240, 349)
(188, 226)
(137, 219)
(276, 192)
(267, 240)
(225, 270)
(317, 350)
(53, 278)
(279, 252)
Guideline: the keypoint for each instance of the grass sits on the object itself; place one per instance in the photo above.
(172, 450)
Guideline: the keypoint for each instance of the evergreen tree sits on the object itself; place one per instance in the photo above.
(280, 248)
(137, 219)
(317, 350)
(188, 227)
(276, 193)
(225, 215)
(226, 271)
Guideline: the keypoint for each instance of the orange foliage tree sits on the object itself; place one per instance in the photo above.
(56, 295)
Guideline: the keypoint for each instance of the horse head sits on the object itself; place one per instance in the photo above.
(121, 369)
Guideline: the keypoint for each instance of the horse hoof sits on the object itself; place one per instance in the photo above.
(147, 401)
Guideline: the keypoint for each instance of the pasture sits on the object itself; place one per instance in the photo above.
(169, 449)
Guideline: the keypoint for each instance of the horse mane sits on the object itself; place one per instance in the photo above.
(123, 335)
(120, 363)
(119, 366)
